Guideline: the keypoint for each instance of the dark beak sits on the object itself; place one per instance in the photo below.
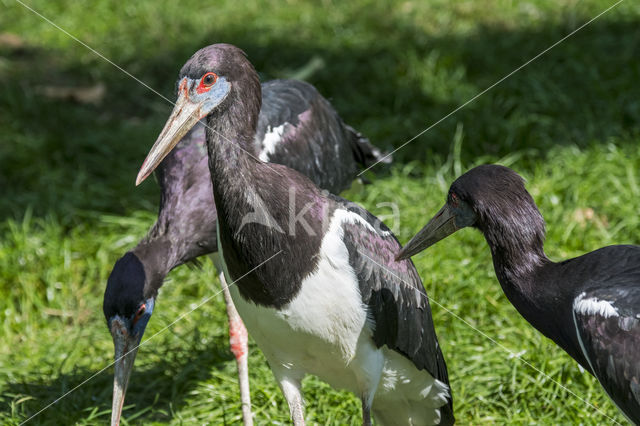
(126, 348)
(184, 116)
(440, 226)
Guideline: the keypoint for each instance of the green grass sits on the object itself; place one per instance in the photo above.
(569, 123)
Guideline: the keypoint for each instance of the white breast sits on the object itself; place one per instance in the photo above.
(324, 328)
(325, 331)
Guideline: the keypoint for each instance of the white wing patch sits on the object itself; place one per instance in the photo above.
(272, 138)
(593, 305)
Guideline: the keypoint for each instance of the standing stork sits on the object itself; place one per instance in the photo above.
(315, 280)
(296, 127)
(589, 305)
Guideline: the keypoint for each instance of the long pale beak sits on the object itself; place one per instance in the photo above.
(440, 226)
(126, 348)
(184, 116)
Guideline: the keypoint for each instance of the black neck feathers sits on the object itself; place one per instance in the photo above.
(516, 238)
(254, 214)
(514, 229)
(510, 221)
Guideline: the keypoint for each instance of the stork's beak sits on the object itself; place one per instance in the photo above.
(126, 348)
(440, 226)
(184, 116)
(126, 341)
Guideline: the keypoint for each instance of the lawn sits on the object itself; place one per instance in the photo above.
(569, 122)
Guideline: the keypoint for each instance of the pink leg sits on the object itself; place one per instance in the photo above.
(238, 340)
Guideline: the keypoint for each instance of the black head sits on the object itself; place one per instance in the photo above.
(502, 207)
(217, 80)
(491, 198)
(127, 290)
(225, 60)
(128, 305)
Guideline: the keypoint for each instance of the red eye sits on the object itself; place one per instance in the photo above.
(140, 312)
(207, 80)
(454, 199)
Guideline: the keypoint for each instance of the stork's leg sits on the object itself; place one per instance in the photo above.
(369, 363)
(291, 388)
(238, 340)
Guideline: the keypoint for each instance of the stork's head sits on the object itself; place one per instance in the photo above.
(214, 79)
(491, 198)
(128, 305)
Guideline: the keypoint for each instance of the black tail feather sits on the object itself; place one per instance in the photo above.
(365, 153)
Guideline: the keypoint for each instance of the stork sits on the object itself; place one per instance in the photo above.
(588, 305)
(297, 127)
(315, 280)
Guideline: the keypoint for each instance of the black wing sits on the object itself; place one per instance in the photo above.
(300, 129)
(608, 325)
(393, 291)
(364, 152)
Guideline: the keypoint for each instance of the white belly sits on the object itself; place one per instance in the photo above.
(323, 330)
(301, 351)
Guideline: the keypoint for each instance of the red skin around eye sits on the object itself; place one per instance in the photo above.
(139, 314)
(203, 87)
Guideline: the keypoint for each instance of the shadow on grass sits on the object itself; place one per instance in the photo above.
(66, 159)
(162, 386)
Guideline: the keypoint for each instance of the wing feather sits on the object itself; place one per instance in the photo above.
(398, 303)
(608, 326)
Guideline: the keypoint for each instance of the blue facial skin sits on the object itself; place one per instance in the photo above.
(212, 97)
(134, 331)
(462, 212)
(196, 100)
(141, 324)
(218, 93)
